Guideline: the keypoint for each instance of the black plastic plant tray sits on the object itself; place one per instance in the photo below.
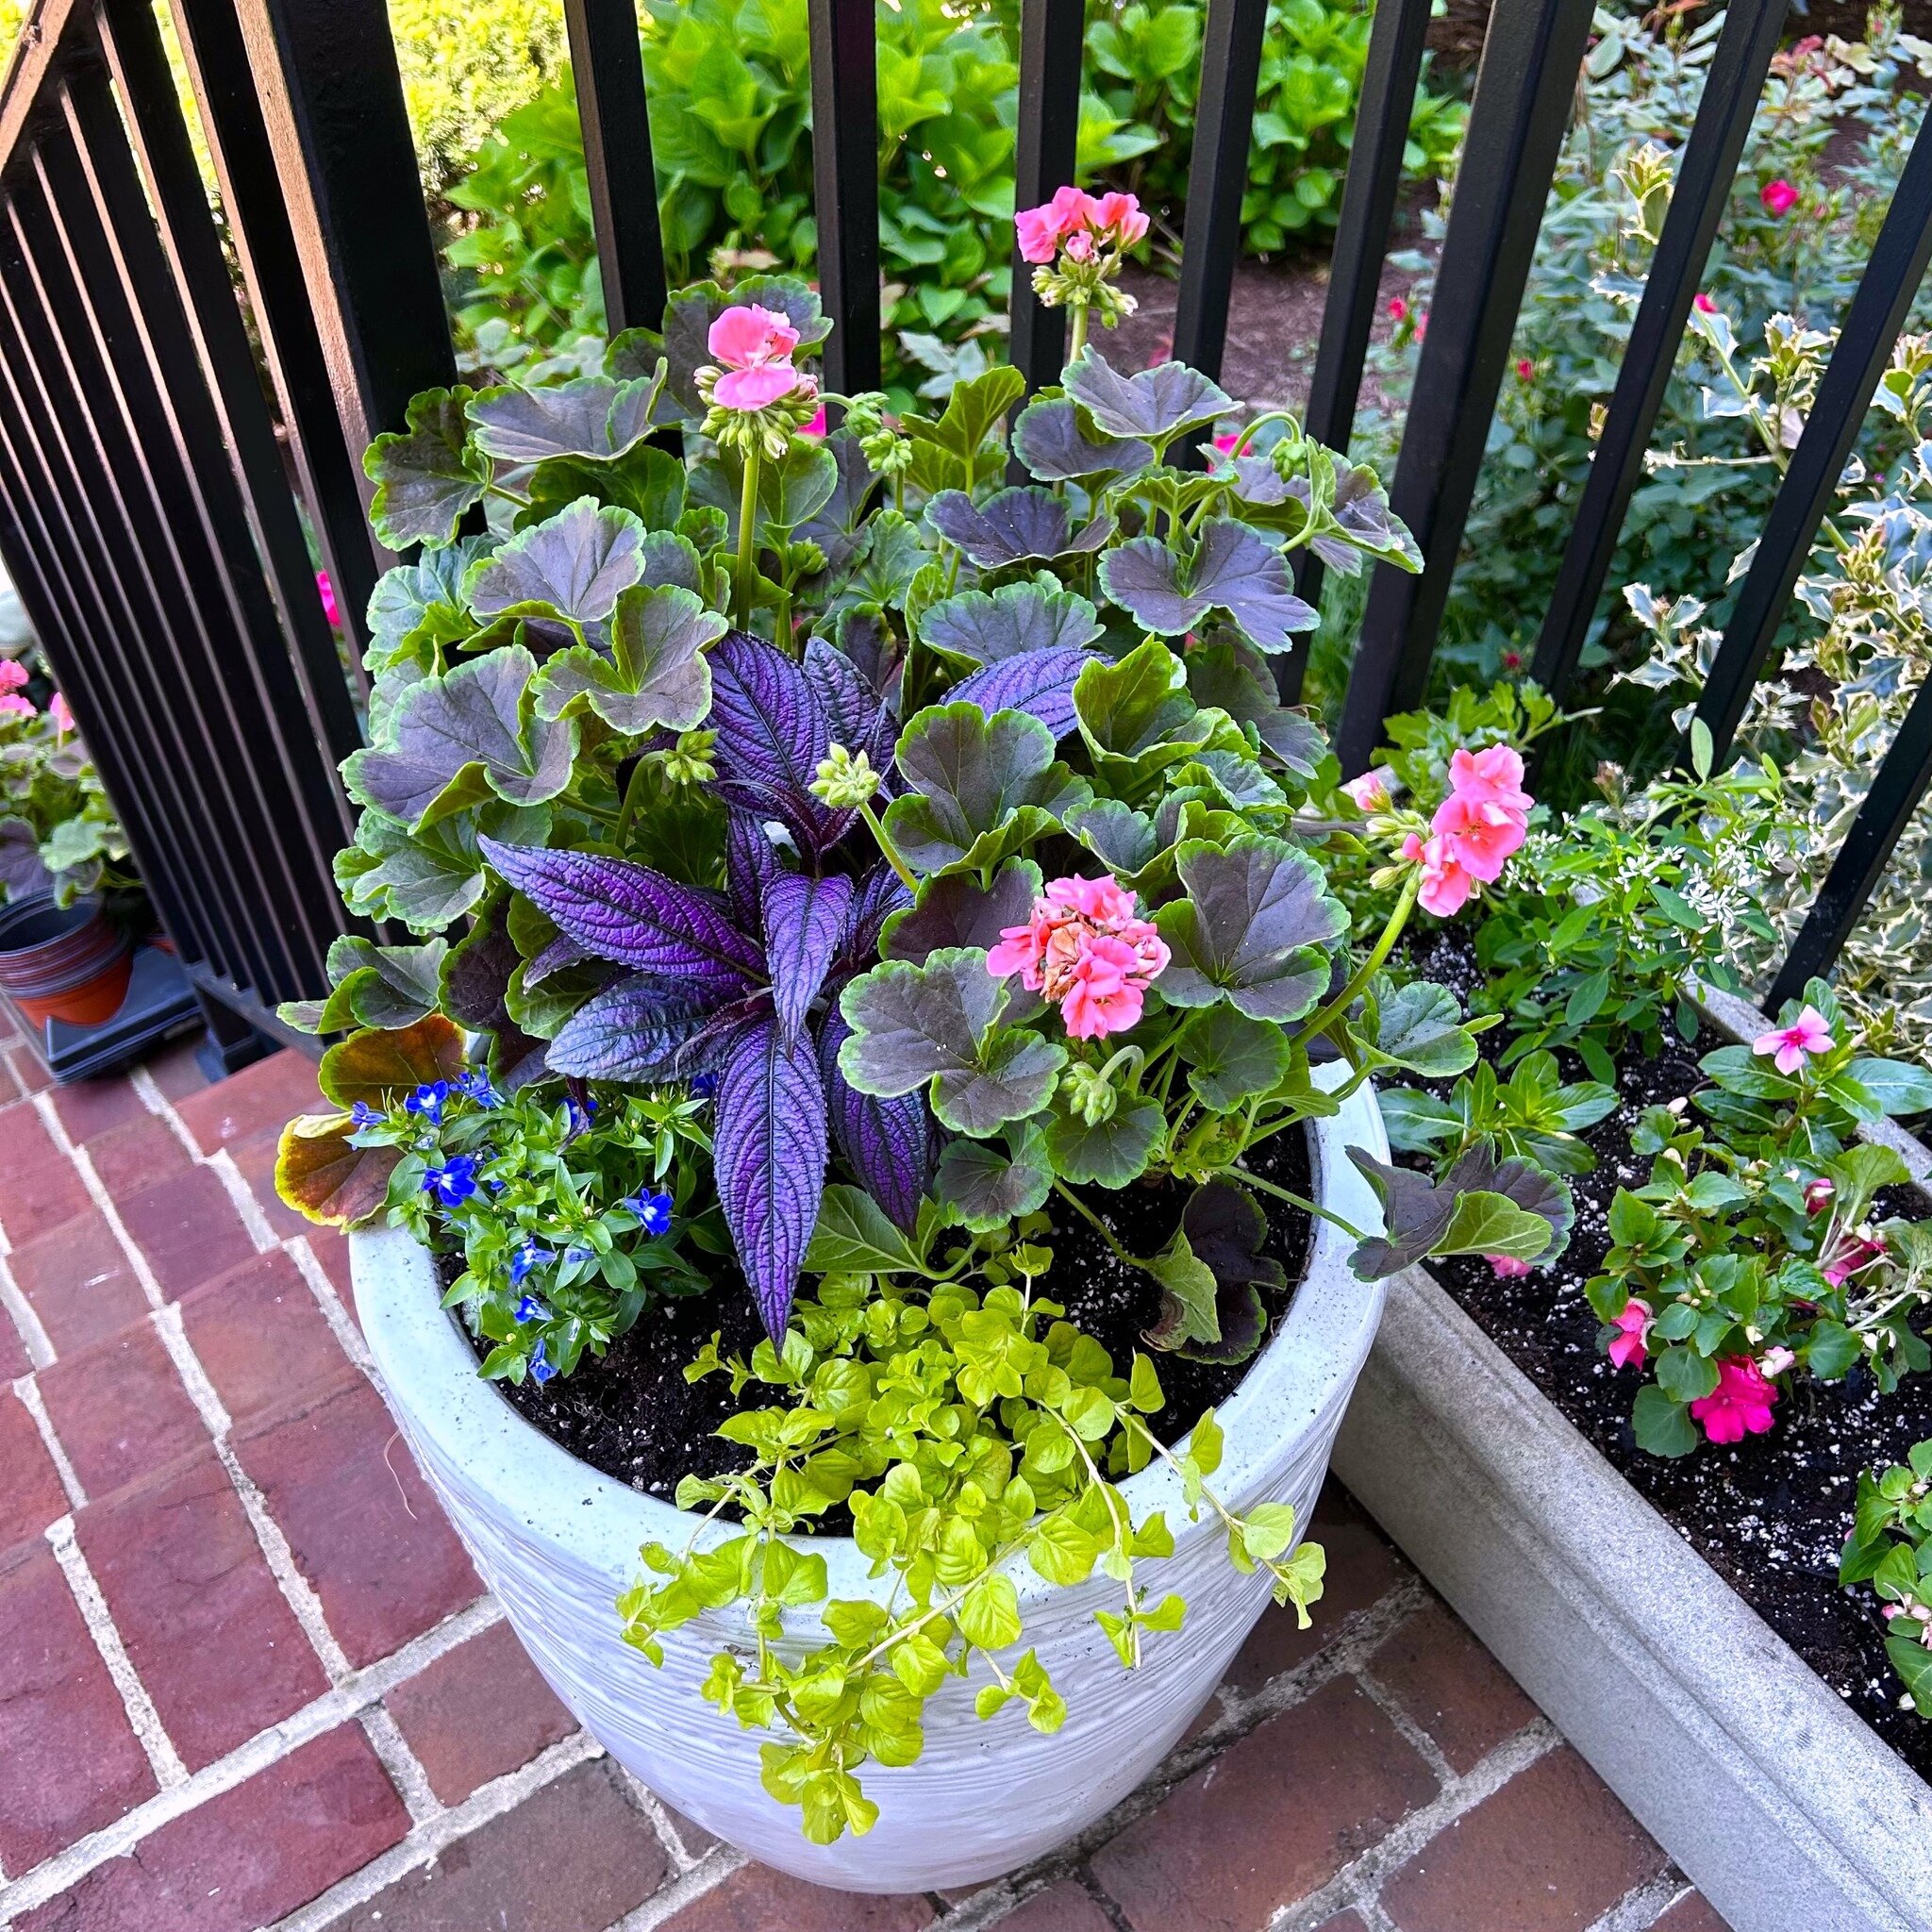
(160, 1005)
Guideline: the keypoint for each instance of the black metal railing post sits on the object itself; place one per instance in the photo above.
(1046, 146)
(846, 180)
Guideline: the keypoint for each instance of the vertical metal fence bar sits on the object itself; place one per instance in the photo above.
(606, 63)
(1046, 144)
(1369, 190)
(136, 60)
(1861, 859)
(1523, 90)
(324, 73)
(1218, 175)
(845, 186)
(165, 564)
(1698, 198)
(1872, 325)
(114, 251)
(216, 55)
(64, 479)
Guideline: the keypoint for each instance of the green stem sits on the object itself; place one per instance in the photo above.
(509, 495)
(747, 541)
(1369, 967)
(1078, 338)
(1295, 1200)
(632, 793)
(1260, 422)
(892, 859)
(1106, 1233)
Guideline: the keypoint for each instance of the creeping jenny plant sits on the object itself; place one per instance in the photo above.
(902, 860)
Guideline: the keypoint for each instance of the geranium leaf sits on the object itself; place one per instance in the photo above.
(1233, 1060)
(20, 869)
(1234, 569)
(426, 476)
(1223, 1230)
(1049, 439)
(631, 914)
(650, 483)
(978, 787)
(635, 1031)
(1110, 1153)
(655, 675)
(804, 920)
(378, 1067)
(588, 416)
(1515, 1207)
(1231, 678)
(990, 1184)
(769, 1156)
(455, 739)
(1253, 928)
(322, 1177)
(380, 986)
(959, 911)
(1157, 403)
(886, 1141)
(1011, 622)
(1137, 716)
(428, 877)
(572, 565)
(421, 601)
(1017, 525)
(773, 732)
(935, 1023)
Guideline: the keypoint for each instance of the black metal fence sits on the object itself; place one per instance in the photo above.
(152, 489)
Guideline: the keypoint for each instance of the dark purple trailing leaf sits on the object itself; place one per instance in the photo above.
(1010, 623)
(1049, 439)
(1225, 1230)
(804, 920)
(636, 1030)
(772, 732)
(1152, 403)
(630, 913)
(856, 715)
(1234, 569)
(561, 953)
(886, 1143)
(880, 894)
(1417, 1212)
(1040, 684)
(1025, 524)
(749, 863)
(768, 1155)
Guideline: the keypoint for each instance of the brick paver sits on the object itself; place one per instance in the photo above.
(249, 1644)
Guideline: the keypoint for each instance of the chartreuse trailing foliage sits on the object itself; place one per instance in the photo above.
(829, 858)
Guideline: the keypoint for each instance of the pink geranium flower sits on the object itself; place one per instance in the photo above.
(1789, 1045)
(751, 389)
(1120, 215)
(1446, 881)
(1086, 949)
(1818, 1195)
(13, 705)
(1369, 792)
(817, 425)
(749, 338)
(1740, 1405)
(13, 675)
(1506, 1267)
(1491, 776)
(1779, 198)
(1631, 1342)
(1482, 836)
(1398, 308)
(1038, 232)
(62, 717)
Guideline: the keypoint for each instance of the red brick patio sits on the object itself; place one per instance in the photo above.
(249, 1680)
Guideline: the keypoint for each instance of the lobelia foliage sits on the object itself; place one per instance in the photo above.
(969, 864)
(1890, 1547)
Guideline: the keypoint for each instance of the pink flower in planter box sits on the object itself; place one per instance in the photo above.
(1774, 1362)
(1789, 1045)
(62, 717)
(1506, 1267)
(1446, 881)
(1370, 792)
(13, 675)
(755, 345)
(1740, 1405)
(1630, 1345)
(13, 705)
(1086, 948)
(817, 425)
(1818, 1195)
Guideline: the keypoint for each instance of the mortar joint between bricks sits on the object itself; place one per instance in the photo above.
(27, 1388)
(711, 1871)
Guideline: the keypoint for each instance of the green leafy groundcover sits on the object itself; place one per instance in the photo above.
(825, 854)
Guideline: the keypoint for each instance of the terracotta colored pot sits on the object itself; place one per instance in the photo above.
(70, 965)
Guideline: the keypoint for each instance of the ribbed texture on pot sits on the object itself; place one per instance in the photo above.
(558, 1541)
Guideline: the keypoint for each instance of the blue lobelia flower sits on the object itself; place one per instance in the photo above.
(541, 1369)
(429, 1100)
(474, 1085)
(654, 1210)
(577, 1114)
(530, 1309)
(364, 1115)
(576, 1252)
(453, 1183)
(525, 1257)
(703, 1086)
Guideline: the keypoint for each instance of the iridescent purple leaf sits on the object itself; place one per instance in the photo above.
(1234, 569)
(631, 1031)
(886, 1143)
(772, 732)
(1012, 622)
(856, 715)
(880, 894)
(769, 1157)
(630, 913)
(1156, 403)
(749, 861)
(1049, 438)
(804, 920)
(1013, 526)
(575, 564)
(1040, 684)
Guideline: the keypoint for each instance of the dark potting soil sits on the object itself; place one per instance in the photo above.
(1770, 1514)
(633, 1415)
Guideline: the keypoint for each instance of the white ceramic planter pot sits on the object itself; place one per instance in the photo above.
(558, 1541)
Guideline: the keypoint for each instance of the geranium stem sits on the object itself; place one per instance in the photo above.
(1369, 967)
(885, 844)
(747, 541)
(1078, 340)
(1295, 1200)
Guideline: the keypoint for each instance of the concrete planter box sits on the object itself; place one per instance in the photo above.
(558, 1541)
(1785, 1811)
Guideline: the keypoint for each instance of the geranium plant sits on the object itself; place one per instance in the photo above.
(903, 861)
(58, 832)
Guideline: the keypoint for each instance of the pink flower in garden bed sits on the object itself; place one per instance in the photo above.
(62, 717)
(13, 675)
(327, 590)
(1446, 881)
(1779, 198)
(1631, 1343)
(1087, 950)
(1789, 1045)
(1740, 1405)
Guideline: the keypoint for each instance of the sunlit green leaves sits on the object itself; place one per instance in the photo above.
(428, 477)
